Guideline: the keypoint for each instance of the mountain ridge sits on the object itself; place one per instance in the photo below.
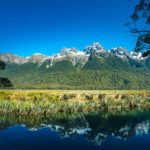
(73, 53)
(93, 68)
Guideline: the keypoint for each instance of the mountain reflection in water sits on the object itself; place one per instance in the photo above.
(91, 131)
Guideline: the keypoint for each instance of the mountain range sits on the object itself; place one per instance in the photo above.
(92, 68)
(76, 56)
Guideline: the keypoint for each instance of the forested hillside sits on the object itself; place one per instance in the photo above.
(92, 68)
(63, 75)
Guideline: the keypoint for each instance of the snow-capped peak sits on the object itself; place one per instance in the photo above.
(68, 51)
(38, 54)
(93, 48)
(74, 55)
(136, 55)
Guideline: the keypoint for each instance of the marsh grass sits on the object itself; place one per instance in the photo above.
(51, 102)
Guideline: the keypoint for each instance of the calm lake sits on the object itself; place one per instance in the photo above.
(94, 131)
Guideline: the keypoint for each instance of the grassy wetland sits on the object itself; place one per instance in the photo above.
(63, 101)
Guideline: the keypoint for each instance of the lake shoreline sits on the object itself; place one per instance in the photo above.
(44, 102)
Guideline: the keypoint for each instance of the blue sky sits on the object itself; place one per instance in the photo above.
(45, 26)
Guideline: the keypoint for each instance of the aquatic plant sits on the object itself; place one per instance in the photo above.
(51, 102)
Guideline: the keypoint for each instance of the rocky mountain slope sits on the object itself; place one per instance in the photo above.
(79, 57)
(93, 68)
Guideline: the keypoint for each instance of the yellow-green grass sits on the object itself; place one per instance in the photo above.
(54, 101)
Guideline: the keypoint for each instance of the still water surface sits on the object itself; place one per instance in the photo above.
(95, 131)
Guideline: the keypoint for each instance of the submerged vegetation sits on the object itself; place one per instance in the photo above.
(51, 102)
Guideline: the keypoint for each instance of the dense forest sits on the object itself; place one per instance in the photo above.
(63, 75)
